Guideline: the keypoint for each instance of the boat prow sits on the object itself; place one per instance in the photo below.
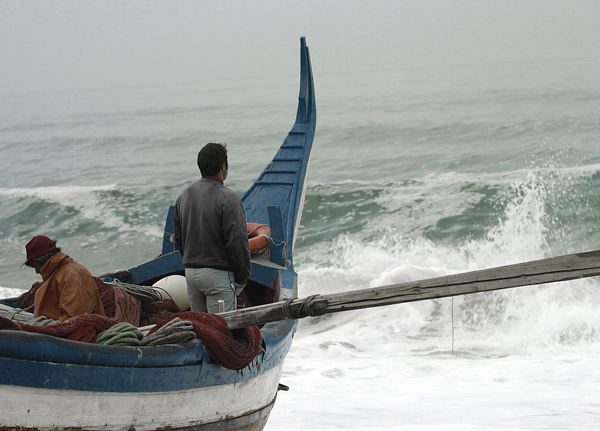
(49, 383)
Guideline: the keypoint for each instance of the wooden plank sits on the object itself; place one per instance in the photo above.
(15, 313)
(562, 268)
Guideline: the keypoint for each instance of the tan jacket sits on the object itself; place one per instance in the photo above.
(68, 290)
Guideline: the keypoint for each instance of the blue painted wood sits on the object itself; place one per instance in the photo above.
(40, 347)
(157, 369)
(277, 246)
(266, 275)
(152, 271)
(169, 234)
(282, 181)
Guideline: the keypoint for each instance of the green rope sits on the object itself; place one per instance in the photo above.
(174, 332)
(121, 334)
(42, 321)
(143, 293)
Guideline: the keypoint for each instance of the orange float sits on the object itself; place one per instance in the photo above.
(258, 236)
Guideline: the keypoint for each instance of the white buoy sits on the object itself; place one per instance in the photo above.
(174, 287)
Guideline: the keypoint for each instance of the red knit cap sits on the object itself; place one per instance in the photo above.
(38, 246)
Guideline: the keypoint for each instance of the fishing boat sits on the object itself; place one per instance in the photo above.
(50, 383)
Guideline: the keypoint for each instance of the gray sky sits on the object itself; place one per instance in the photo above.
(63, 45)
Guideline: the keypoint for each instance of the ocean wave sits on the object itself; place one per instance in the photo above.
(55, 193)
(453, 223)
(9, 292)
(108, 206)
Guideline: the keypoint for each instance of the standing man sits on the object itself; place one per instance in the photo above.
(211, 235)
(68, 289)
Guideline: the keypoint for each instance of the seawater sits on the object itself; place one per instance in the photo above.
(414, 174)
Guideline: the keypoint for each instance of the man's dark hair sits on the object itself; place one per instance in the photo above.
(41, 260)
(211, 158)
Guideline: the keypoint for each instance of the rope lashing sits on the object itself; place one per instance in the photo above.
(13, 313)
(304, 310)
(283, 249)
(258, 227)
(258, 238)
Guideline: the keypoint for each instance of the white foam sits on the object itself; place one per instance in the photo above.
(518, 359)
(9, 292)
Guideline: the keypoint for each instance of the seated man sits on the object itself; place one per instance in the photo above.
(68, 289)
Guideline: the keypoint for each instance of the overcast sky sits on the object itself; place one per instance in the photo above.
(62, 45)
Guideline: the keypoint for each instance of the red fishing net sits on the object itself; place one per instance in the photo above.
(231, 349)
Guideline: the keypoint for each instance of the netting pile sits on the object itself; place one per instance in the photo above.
(127, 307)
(230, 349)
(84, 327)
(138, 305)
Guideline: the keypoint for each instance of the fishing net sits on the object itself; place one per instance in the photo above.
(129, 307)
(25, 301)
(84, 327)
(118, 304)
(230, 349)
(154, 312)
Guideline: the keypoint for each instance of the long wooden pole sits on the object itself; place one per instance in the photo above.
(555, 269)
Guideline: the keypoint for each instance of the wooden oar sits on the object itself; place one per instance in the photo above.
(562, 268)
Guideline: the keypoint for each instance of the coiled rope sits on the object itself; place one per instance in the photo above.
(42, 321)
(143, 293)
(174, 332)
(121, 334)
